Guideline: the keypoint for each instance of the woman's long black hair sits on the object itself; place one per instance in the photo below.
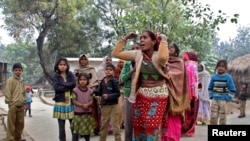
(56, 69)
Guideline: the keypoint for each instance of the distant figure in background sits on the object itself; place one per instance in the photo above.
(242, 99)
(15, 98)
(204, 101)
(29, 95)
(118, 69)
(64, 82)
(83, 121)
(101, 68)
(221, 90)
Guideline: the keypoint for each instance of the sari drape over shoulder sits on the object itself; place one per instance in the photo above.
(178, 98)
(177, 84)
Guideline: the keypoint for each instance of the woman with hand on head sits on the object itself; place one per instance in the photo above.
(149, 91)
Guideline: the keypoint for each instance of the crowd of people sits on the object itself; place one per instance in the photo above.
(153, 93)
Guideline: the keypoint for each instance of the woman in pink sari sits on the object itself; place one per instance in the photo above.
(188, 127)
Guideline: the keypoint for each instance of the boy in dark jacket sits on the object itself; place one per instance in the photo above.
(242, 99)
(109, 93)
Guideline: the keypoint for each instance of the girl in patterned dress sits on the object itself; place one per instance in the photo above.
(63, 83)
(83, 121)
(85, 67)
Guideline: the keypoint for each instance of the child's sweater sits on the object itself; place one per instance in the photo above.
(28, 96)
(221, 87)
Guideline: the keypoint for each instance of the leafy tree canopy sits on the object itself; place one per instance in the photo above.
(71, 27)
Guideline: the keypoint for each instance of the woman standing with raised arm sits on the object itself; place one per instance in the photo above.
(149, 90)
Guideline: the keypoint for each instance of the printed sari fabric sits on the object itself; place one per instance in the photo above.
(150, 113)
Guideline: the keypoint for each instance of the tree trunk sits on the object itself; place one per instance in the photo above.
(49, 23)
(40, 42)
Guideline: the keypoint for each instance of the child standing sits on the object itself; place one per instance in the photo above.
(28, 100)
(221, 90)
(85, 67)
(83, 122)
(15, 98)
(109, 92)
(64, 82)
(242, 99)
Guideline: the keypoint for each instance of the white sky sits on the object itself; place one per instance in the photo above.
(230, 7)
(5, 38)
(226, 32)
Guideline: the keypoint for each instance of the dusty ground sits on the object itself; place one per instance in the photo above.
(233, 107)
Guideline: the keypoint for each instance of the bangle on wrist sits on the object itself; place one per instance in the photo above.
(123, 39)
